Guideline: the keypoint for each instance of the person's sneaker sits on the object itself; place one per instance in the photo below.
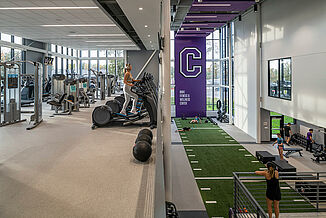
(133, 111)
(123, 113)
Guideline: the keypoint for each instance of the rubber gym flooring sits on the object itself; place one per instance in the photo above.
(214, 155)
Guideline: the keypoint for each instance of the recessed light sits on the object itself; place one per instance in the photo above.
(140, 9)
(150, 41)
(95, 35)
(149, 35)
(45, 8)
(146, 26)
(115, 45)
(79, 25)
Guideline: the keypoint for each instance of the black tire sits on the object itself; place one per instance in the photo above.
(146, 132)
(101, 115)
(114, 105)
(144, 137)
(218, 104)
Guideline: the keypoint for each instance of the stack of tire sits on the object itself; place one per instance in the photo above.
(142, 149)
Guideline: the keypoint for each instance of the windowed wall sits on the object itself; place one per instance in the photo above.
(8, 53)
(106, 61)
(65, 60)
(280, 78)
(172, 67)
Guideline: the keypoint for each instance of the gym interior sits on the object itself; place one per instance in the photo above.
(162, 108)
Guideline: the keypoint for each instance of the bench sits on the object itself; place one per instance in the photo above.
(265, 156)
(290, 151)
(284, 166)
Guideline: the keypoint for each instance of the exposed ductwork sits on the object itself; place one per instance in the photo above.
(179, 10)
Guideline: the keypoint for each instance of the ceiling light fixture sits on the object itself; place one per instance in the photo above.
(149, 35)
(101, 41)
(96, 35)
(46, 8)
(79, 25)
(211, 5)
(140, 9)
(146, 26)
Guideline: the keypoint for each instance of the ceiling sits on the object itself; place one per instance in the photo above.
(149, 16)
(205, 16)
(106, 35)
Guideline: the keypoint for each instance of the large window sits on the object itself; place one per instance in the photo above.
(5, 54)
(280, 78)
(102, 66)
(84, 53)
(84, 67)
(5, 37)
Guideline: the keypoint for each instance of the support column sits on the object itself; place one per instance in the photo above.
(258, 71)
(230, 74)
(166, 99)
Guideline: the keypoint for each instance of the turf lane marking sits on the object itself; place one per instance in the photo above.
(262, 168)
(182, 133)
(285, 187)
(248, 155)
(191, 155)
(184, 137)
(210, 202)
(194, 161)
(212, 145)
(214, 178)
(197, 169)
(231, 140)
(242, 149)
(296, 200)
(254, 161)
(185, 141)
(205, 189)
(189, 150)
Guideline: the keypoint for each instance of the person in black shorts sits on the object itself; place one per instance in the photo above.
(287, 133)
(273, 191)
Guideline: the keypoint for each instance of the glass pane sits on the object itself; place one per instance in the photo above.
(111, 53)
(209, 72)
(172, 73)
(209, 98)
(273, 78)
(5, 37)
(84, 53)
(216, 96)
(286, 78)
(209, 49)
(74, 52)
(111, 67)
(172, 49)
(5, 54)
(59, 49)
(102, 53)
(119, 53)
(59, 60)
(53, 48)
(64, 66)
(18, 55)
(93, 65)
(64, 50)
(120, 67)
(217, 73)
(210, 36)
(84, 65)
(171, 34)
(18, 40)
(69, 52)
(53, 65)
(74, 66)
(93, 53)
(102, 66)
(216, 49)
(225, 99)
(216, 34)
(172, 96)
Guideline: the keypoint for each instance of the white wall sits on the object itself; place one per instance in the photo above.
(297, 29)
(245, 74)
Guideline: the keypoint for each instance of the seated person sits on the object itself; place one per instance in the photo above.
(196, 120)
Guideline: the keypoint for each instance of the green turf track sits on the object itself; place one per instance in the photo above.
(203, 133)
(222, 161)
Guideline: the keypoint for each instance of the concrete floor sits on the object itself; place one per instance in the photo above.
(64, 169)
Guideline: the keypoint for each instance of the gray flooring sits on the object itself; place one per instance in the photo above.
(64, 169)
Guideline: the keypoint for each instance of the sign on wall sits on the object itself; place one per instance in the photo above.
(190, 76)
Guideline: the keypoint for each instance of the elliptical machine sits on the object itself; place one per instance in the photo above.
(147, 106)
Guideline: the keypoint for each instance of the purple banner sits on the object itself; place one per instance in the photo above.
(190, 76)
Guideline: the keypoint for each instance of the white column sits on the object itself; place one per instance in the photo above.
(166, 99)
(258, 71)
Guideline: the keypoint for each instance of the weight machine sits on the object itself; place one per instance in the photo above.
(99, 84)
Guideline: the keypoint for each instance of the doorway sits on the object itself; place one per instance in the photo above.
(277, 123)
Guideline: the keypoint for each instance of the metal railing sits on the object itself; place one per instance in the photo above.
(302, 192)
